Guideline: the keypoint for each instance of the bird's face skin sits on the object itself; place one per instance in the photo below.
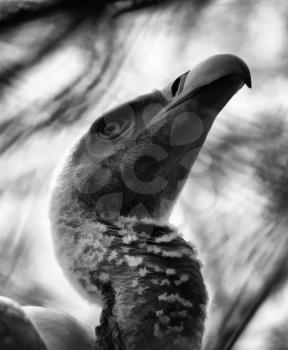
(134, 160)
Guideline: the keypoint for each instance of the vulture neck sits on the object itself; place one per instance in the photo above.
(152, 288)
(144, 274)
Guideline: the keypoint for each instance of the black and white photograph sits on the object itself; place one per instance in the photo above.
(143, 175)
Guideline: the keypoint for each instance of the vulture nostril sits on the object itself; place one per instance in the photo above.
(178, 84)
(175, 86)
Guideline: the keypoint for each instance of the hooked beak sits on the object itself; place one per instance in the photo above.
(195, 98)
(209, 71)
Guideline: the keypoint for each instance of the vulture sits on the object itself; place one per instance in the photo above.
(109, 221)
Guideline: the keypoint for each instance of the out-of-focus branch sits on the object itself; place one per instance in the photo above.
(244, 307)
(13, 14)
(267, 160)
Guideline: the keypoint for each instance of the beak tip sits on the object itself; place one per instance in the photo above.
(243, 69)
(249, 82)
(247, 76)
(230, 63)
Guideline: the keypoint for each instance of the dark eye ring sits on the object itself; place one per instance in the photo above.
(111, 128)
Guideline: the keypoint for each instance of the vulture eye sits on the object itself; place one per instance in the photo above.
(110, 127)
